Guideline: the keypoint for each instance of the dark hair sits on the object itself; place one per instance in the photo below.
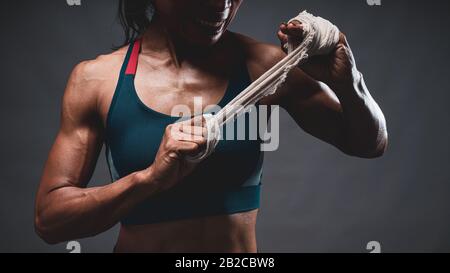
(133, 18)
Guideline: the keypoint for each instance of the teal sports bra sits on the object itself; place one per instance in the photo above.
(227, 182)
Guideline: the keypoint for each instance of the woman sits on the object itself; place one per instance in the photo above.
(124, 99)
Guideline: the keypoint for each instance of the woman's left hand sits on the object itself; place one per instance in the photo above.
(337, 69)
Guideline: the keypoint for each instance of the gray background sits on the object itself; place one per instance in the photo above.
(315, 199)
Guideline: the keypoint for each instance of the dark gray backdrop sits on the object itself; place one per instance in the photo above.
(315, 198)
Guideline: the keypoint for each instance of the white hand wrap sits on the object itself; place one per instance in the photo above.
(320, 37)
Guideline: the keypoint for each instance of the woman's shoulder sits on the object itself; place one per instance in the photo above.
(260, 56)
(93, 82)
(257, 49)
(103, 67)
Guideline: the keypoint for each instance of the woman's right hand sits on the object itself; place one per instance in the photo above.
(182, 139)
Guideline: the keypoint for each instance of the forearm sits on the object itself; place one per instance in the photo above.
(70, 212)
(364, 132)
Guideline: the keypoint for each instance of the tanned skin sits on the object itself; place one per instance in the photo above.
(327, 97)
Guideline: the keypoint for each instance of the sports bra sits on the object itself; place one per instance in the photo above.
(227, 182)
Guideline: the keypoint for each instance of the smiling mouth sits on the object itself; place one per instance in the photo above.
(212, 24)
(214, 21)
(211, 27)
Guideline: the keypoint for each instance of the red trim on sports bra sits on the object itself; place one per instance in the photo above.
(132, 63)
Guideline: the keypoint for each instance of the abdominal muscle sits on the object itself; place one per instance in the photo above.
(233, 233)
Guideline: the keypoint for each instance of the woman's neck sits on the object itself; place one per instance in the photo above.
(157, 40)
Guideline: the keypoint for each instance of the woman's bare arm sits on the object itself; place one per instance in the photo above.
(347, 118)
(65, 208)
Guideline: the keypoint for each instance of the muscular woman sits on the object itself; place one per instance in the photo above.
(124, 100)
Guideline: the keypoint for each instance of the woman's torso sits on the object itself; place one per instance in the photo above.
(219, 233)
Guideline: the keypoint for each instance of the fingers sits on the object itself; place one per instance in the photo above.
(178, 149)
(187, 137)
(186, 144)
(189, 148)
(183, 138)
(194, 130)
(292, 32)
(195, 121)
(294, 29)
(281, 35)
(185, 132)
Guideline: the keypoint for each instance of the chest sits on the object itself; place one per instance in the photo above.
(142, 108)
(162, 86)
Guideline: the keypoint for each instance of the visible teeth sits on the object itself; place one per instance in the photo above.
(226, 13)
(211, 24)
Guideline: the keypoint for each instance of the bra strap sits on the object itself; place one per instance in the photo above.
(133, 61)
